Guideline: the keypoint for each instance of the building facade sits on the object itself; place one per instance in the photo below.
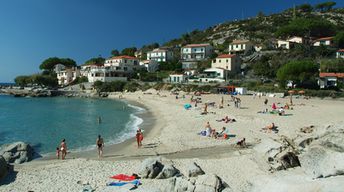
(240, 46)
(193, 53)
(330, 79)
(160, 55)
(68, 75)
(229, 62)
(325, 41)
(340, 54)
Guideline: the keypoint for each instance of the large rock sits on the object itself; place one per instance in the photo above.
(167, 172)
(3, 168)
(194, 170)
(18, 152)
(150, 168)
(289, 160)
(208, 183)
(320, 162)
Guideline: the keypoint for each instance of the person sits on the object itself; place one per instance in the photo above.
(207, 125)
(281, 111)
(266, 101)
(286, 106)
(270, 127)
(63, 149)
(58, 152)
(139, 138)
(242, 143)
(100, 146)
(99, 120)
(223, 134)
(274, 107)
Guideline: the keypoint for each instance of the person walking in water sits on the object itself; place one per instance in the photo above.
(99, 119)
(63, 149)
(100, 146)
(139, 137)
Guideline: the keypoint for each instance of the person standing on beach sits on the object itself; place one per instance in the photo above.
(139, 137)
(100, 146)
(63, 149)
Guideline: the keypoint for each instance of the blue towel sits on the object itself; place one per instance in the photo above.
(119, 184)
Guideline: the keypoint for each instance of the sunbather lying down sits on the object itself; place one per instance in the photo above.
(226, 120)
(242, 143)
(271, 127)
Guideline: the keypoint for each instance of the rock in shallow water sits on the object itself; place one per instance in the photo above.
(3, 168)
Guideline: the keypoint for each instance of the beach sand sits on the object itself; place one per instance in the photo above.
(171, 132)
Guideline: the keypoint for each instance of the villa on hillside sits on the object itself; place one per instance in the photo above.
(240, 47)
(290, 42)
(326, 41)
(150, 65)
(123, 63)
(330, 79)
(67, 75)
(160, 55)
(229, 62)
(340, 54)
(193, 53)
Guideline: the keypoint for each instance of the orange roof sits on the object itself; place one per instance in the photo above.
(340, 50)
(324, 38)
(226, 56)
(123, 57)
(339, 75)
(239, 41)
(197, 45)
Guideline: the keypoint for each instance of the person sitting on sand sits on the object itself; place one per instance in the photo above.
(207, 125)
(281, 111)
(63, 149)
(208, 131)
(274, 107)
(286, 106)
(223, 134)
(242, 143)
(270, 127)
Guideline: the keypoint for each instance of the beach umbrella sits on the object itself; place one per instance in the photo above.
(301, 92)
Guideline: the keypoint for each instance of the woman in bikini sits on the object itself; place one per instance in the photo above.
(63, 149)
(100, 145)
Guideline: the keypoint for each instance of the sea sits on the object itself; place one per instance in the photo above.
(44, 122)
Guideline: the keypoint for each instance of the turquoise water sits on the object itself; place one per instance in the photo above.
(44, 122)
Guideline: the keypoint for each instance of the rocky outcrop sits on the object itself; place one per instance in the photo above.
(3, 168)
(194, 170)
(17, 153)
(167, 172)
(150, 168)
(29, 92)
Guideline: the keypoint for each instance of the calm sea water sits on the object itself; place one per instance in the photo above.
(44, 122)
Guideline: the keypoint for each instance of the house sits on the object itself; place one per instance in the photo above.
(139, 53)
(290, 42)
(230, 62)
(123, 63)
(240, 46)
(160, 55)
(105, 74)
(68, 75)
(59, 67)
(150, 65)
(178, 78)
(326, 41)
(330, 79)
(193, 53)
(340, 54)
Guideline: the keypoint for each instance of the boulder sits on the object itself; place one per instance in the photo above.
(194, 170)
(3, 168)
(18, 152)
(320, 162)
(179, 184)
(150, 168)
(289, 160)
(208, 183)
(167, 172)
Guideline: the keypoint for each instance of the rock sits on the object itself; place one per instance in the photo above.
(167, 172)
(194, 170)
(18, 152)
(179, 184)
(306, 142)
(87, 188)
(319, 162)
(150, 168)
(3, 168)
(308, 129)
(289, 160)
(208, 183)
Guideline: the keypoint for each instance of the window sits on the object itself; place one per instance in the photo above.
(214, 61)
(236, 46)
(219, 60)
(125, 61)
(125, 68)
(226, 60)
(201, 49)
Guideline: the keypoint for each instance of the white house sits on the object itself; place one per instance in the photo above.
(326, 41)
(160, 55)
(123, 63)
(290, 42)
(59, 67)
(105, 74)
(192, 53)
(178, 78)
(231, 62)
(65, 77)
(150, 65)
(330, 79)
(340, 54)
(240, 46)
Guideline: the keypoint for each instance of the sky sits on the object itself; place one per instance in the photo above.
(32, 31)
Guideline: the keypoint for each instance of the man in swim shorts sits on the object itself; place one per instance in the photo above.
(100, 145)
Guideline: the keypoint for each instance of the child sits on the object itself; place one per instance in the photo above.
(58, 153)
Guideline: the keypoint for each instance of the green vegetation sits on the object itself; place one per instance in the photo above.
(37, 79)
(50, 63)
(339, 39)
(95, 60)
(326, 6)
(332, 65)
(130, 51)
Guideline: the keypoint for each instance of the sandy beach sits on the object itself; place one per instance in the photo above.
(171, 133)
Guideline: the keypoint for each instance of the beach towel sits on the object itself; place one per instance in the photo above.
(119, 184)
(187, 106)
(123, 177)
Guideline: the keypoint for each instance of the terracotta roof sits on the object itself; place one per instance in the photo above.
(240, 41)
(324, 38)
(340, 50)
(226, 56)
(123, 57)
(197, 45)
(339, 75)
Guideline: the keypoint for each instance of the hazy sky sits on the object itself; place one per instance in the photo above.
(34, 30)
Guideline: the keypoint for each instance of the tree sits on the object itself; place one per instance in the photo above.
(332, 65)
(339, 40)
(115, 52)
(95, 60)
(326, 6)
(44, 80)
(300, 72)
(130, 51)
(50, 63)
(305, 8)
(23, 80)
